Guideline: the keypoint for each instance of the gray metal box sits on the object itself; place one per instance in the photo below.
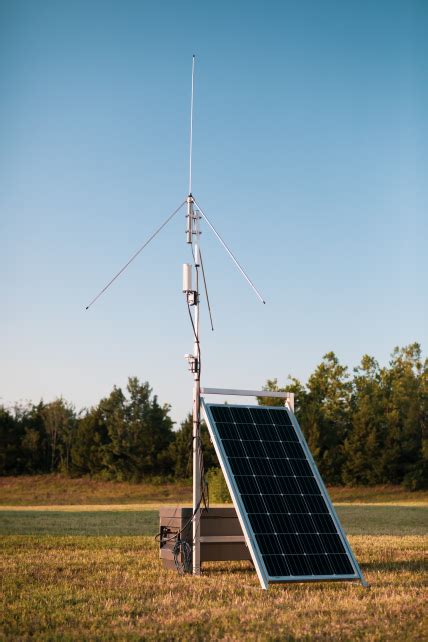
(221, 534)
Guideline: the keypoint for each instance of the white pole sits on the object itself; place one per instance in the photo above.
(193, 230)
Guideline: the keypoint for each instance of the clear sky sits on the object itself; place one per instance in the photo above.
(310, 156)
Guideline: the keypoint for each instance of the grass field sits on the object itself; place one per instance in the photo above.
(358, 520)
(93, 573)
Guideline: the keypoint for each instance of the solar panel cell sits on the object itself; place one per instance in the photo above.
(279, 417)
(301, 468)
(222, 414)
(287, 485)
(251, 503)
(276, 565)
(232, 447)
(276, 504)
(283, 523)
(324, 524)
(341, 564)
(316, 504)
(228, 431)
(292, 544)
(282, 467)
(241, 415)
(295, 503)
(274, 450)
(293, 450)
(300, 565)
(308, 486)
(261, 416)
(246, 485)
(269, 545)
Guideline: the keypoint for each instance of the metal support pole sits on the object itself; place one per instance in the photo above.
(197, 482)
(196, 459)
(192, 230)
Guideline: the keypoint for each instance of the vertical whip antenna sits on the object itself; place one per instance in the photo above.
(191, 125)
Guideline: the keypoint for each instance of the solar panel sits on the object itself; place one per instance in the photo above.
(288, 520)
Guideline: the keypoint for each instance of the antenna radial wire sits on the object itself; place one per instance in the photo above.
(234, 259)
(134, 256)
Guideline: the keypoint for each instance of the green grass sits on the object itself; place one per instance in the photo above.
(384, 520)
(356, 520)
(88, 523)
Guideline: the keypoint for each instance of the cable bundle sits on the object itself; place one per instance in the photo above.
(183, 548)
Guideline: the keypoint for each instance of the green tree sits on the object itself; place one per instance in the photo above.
(325, 416)
(91, 437)
(404, 456)
(11, 461)
(181, 449)
(150, 429)
(323, 411)
(35, 442)
(59, 420)
(139, 434)
(366, 439)
(294, 386)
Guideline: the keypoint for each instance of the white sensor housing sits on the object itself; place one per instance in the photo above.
(187, 277)
(197, 259)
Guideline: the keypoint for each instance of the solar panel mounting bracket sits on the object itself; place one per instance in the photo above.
(288, 396)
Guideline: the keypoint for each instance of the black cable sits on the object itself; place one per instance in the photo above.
(205, 283)
(196, 337)
(185, 565)
(182, 547)
(169, 539)
(206, 291)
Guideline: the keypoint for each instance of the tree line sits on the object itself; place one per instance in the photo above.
(371, 428)
(128, 436)
(367, 428)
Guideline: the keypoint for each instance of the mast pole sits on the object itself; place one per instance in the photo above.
(197, 481)
(193, 231)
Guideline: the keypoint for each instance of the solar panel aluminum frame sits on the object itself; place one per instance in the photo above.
(250, 538)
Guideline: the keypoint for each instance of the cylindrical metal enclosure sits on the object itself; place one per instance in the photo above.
(187, 277)
(197, 258)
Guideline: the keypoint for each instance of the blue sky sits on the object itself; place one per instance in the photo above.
(310, 157)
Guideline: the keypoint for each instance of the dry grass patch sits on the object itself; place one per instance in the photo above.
(111, 588)
(29, 490)
(48, 490)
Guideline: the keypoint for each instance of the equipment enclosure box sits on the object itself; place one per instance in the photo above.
(221, 534)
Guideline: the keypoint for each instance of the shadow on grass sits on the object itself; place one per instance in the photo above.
(230, 567)
(409, 566)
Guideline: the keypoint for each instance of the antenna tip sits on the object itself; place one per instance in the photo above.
(87, 307)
